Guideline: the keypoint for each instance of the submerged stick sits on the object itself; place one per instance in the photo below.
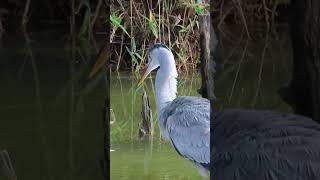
(147, 124)
(208, 44)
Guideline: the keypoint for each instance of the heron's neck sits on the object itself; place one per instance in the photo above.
(166, 84)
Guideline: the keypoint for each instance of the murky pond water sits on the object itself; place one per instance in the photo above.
(151, 158)
(250, 78)
(50, 113)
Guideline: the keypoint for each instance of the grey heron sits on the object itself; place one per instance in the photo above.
(247, 144)
(183, 120)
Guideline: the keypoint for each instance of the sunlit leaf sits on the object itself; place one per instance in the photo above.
(117, 22)
(152, 24)
(200, 8)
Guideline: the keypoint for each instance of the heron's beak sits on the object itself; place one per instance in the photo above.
(147, 70)
(144, 75)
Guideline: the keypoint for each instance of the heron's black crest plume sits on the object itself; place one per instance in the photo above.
(157, 45)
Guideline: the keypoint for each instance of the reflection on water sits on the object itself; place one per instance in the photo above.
(50, 115)
(150, 158)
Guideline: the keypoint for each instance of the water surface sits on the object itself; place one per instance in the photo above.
(150, 158)
(249, 76)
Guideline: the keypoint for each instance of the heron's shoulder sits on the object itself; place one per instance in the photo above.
(190, 100)
(187, 108)
(188, 104)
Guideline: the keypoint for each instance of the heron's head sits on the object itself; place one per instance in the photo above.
(157, 56)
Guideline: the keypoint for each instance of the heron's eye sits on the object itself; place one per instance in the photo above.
(149, 58)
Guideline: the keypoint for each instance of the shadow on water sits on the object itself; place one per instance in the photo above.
(50, 112)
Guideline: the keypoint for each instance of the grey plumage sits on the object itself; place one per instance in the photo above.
(265, 145)
(185, 122)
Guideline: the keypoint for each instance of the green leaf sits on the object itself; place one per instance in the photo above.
(134, 59)
(152, 26)
(117, 21)
(183, 29)
(200, 8)
(154, 29)
(138, 55)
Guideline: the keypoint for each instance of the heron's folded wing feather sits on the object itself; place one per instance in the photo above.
(189, 130)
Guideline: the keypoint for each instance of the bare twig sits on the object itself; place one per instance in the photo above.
(96, 14)
(7, 163)
(242, 16)
(25, 16)
(120, 55)
(72, 14)
(238, 70)
(266, 15)
(260, 70)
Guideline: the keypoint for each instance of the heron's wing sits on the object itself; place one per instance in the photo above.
(188, 127)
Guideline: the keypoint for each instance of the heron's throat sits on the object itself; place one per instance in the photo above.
(166, 85)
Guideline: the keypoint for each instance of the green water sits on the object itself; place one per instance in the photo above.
(50, 113)
(149, 158)
(252, 83)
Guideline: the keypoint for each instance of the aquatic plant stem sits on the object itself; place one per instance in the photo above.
(238, 70)
(24, 20)
(95, 16)
(43, 136)
(72, 16)
(260, 70)
(71, 110)
(242, 16)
